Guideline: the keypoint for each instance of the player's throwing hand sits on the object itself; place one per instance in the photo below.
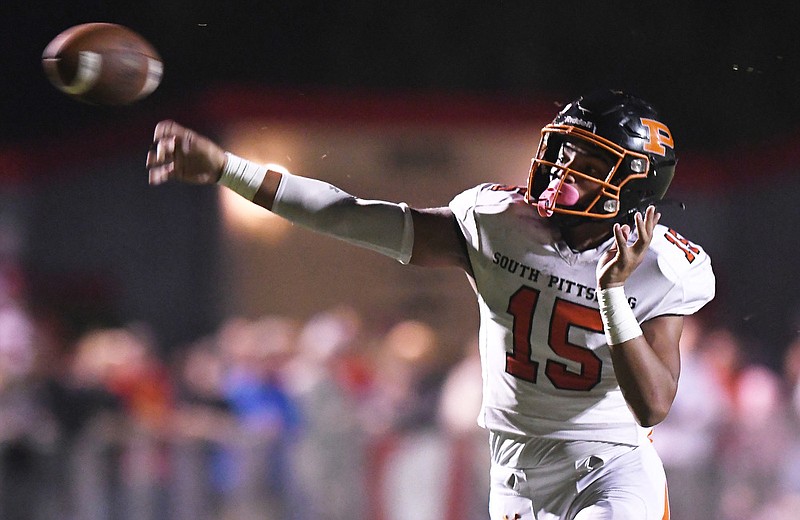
(622, 259)
(181, 154)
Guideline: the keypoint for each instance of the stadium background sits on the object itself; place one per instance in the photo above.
(410, 101)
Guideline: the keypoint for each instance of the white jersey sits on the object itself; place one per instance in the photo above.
(547, 369)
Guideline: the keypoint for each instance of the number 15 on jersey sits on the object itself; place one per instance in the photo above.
(565, 315)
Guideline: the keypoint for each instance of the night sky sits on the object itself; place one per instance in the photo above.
(723, 76)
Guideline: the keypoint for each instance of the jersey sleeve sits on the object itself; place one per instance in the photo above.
(688, 268)
(463, 207)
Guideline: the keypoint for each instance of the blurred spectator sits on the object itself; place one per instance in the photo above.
(756, 445)
(202, 424)
(202, 410)
(256, 475)
(119, 365)
(462, 392)
(412, 463)
(687, 439)
(27, 433)
(722, 352)
(459, 407)
(328, 386)
(90, 421)
(82, 395)
(410, 375)
(16, 330)
(138, 376)
(789, 469)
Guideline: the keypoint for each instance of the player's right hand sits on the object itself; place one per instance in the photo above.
(183, 155)
(617, 264)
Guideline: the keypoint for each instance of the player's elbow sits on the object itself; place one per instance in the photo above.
(650, 420)
(651, 414)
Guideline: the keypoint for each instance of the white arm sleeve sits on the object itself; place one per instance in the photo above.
(381, 226)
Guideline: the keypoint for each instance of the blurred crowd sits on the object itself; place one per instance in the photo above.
(329, 418)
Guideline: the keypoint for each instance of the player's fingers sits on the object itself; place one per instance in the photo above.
(151, 158)
(165, 150)
(164, 128)
(641, 229)
(160, 174)
(645, 224)
(653, 215)
(168, 128)
(641, 233)
(186, 141)
(620, 237)
(652, 218)
(622, 233)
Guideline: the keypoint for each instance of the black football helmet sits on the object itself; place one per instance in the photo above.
(622, 127)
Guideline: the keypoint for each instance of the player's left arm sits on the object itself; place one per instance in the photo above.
(647, 368)
(646, 357)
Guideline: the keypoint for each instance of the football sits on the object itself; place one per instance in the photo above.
(103, 64)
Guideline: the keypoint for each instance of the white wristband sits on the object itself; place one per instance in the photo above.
(619, 322)
(242, 176)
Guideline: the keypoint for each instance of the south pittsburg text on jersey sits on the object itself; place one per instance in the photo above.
(560, 284)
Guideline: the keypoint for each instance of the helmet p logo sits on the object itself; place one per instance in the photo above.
(658, 137)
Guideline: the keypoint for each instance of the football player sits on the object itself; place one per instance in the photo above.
(580, 289)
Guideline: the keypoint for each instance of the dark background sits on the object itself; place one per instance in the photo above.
(725, 75)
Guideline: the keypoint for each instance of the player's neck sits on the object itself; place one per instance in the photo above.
(587, 235)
